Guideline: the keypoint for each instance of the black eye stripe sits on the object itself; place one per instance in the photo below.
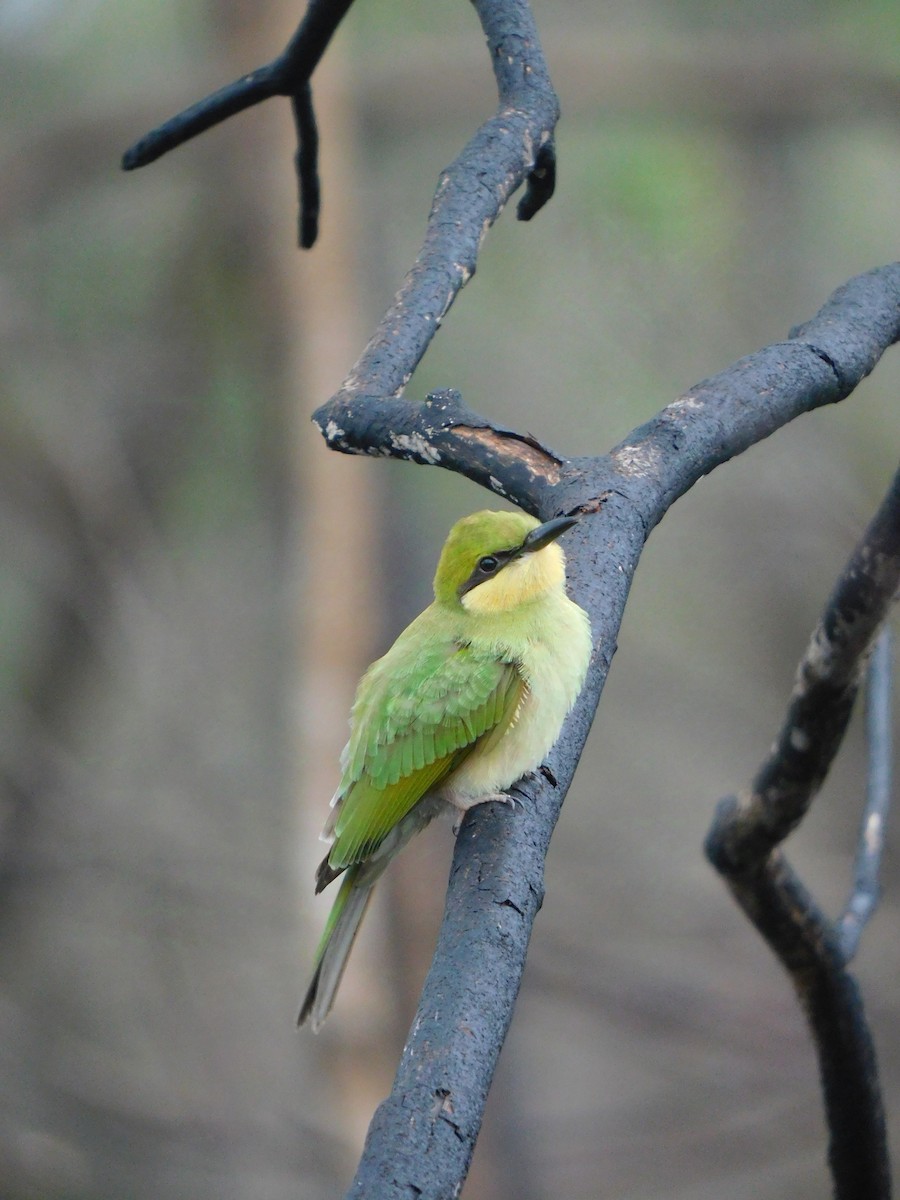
(487, 567)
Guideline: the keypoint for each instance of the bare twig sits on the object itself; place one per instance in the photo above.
(243, 93)
(306, 161)
(442, 432)
(470, 195)
(286, 75)
(541, 183)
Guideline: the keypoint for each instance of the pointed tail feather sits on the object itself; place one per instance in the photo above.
(341, 929)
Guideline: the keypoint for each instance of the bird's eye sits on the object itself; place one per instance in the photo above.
(488, 564)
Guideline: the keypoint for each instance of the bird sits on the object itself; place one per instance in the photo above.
(469, 699)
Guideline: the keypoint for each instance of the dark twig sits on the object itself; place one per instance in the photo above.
(306, 161)
(470, 195)
(805, 942)
(442, 431)
(528, 110)
(226, 102)
(870, 849)
(751, 826)
(286, 75)
(744, 842)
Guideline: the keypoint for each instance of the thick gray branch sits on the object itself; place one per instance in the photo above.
(422, 1137)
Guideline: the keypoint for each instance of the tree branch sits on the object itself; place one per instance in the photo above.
(751, 826)
(422, 1137)
(306, 161)
(507, 150)
(525, 93)
(744, 842)
(286, 75)
(821, 363)
(870, 848)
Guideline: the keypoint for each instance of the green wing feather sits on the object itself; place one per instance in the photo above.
(418, 713)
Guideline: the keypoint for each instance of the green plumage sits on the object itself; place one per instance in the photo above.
(470, 696)
(416, 716)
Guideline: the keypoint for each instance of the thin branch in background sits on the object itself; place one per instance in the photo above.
(744, 846)
(235, 97)
(828, 677)
(286, 75)
(306, 160)
(870, 849)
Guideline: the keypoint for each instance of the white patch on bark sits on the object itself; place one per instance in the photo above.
(636, 460)
(414, 443)
(682, 403)
(799, 740)
(873, 832)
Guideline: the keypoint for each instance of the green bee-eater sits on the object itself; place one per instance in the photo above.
(469, 698)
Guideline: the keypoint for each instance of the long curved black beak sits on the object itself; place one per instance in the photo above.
(544, 534)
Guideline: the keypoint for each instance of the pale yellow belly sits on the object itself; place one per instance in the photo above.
(555, 674)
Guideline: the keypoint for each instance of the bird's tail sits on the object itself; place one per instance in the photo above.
(341, 929)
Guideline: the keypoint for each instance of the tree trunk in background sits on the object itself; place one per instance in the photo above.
(333, 548)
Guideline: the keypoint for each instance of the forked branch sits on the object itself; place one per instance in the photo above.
(287, 75)
(744, 845)
(422, 1137)
(522, 81)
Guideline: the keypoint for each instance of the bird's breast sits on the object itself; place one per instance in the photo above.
(554, 663)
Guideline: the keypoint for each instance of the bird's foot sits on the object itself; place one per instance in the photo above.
(514, 797)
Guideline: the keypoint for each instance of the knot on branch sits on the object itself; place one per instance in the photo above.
(739, 842)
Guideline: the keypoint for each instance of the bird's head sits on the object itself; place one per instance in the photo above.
(494, 561)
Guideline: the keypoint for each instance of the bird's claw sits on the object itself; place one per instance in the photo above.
(516, 801)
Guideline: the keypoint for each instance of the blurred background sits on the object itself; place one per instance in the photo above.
(190, 584)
